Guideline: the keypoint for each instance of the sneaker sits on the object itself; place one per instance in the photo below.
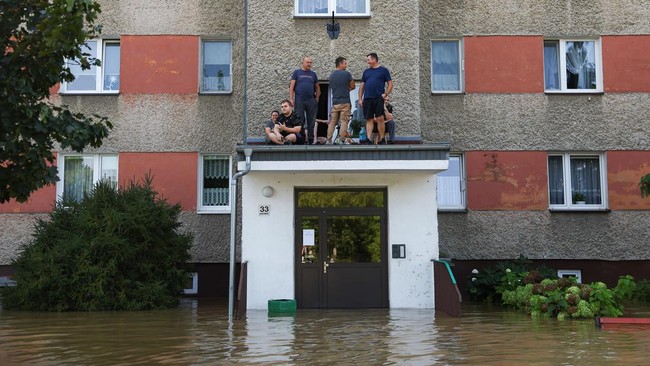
(365, 142)
(382, 142)
(288, 143)
(328, 142)
(391, 142)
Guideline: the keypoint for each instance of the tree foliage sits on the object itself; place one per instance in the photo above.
(113, 250)
(38, 36)
(644, 185)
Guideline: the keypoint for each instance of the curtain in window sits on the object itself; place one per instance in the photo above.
(216, 66)
(445, 68)
(448, 190)
(551, 67)
(555, 180)
(312, 6)
(585, 178)
(216, 176)
(77, 177)
(351, 6)
(580, 65)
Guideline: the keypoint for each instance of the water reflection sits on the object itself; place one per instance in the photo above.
(198, 333)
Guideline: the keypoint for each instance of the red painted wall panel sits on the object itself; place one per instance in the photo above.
(624, 170)
(626, 63)
(159, 64)
(504, 64)
(506, 180)
(42, 200)
(174, 174)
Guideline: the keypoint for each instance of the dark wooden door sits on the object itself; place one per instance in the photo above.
(341, 257)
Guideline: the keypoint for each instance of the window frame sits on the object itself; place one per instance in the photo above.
(568, 204)
(194, 290)
(561, 273)
(598, 59)
(200, 208)
(202, 43)
(461, 65)
(462, 187)
(97, 169)
(99, 73)
(330, 4)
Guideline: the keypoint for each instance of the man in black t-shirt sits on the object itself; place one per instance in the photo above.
(290, 125)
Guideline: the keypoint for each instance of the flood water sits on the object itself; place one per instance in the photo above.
(198, 333)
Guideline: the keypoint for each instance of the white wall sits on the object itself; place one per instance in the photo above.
(268, 240)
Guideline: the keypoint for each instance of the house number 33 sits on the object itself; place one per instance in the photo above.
(265, 209)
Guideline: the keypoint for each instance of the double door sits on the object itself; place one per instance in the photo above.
(341, 257)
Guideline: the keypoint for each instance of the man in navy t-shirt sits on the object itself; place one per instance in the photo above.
(376, 85)
(304, 92)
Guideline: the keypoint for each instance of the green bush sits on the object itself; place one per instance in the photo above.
(564, 298)
(491, 282)
(113, 250)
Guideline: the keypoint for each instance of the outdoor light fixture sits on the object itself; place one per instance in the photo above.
(333, 28)
(267, 191)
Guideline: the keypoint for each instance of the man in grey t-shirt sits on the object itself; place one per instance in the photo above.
(341, 84)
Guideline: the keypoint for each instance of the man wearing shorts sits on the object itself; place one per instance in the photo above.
(376, 85)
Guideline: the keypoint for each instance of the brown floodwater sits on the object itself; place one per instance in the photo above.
(198, 333)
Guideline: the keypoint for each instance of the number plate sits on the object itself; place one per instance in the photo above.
(265, 209)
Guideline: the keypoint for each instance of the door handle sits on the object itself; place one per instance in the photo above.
(325, 265)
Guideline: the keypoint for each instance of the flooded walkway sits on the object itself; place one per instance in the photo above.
(198, 333)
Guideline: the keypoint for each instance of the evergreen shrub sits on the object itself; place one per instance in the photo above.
(114, 250)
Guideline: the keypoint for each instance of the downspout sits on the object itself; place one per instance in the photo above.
(245, 129)
(233, 224)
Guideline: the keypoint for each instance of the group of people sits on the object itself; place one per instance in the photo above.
(298, 126)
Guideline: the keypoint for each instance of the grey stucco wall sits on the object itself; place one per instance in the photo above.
(277, 42)
(619, 235)
(15, 231)
(610, 121)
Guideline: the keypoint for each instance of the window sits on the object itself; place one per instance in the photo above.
(567, 273)
(82, 172)
(324, 8)
(216, 69)
(192, 284)
(576, 181)
(214, 183)
(97, 79)
(572, 66)
(446, 66)
(451, 185)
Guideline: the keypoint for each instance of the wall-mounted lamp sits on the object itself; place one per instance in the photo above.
(267, 191)
(333, 28)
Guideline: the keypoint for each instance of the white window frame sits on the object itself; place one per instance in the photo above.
(202, 43)
(212, 209)
(195, 285)
(562, 273)
(461, 65)
(462, 187)
(99, 71)
(566, 167)
(331, 4)
(562, 65)
(97, 169)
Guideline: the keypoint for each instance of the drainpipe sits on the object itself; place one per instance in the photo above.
(233, 224)
(245, 132)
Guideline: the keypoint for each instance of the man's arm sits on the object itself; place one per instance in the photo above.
(317, 90)
(292, 91)
(361, 86)
(351, 85)
(389, 88)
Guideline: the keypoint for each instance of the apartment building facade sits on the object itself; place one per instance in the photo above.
(538, 102)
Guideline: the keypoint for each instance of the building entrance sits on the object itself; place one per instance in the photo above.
(341, 249)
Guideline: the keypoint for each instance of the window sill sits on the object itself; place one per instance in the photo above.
(452, 210)
(213, 212)
(216, 92)
(573, 92)
(450, 92)
(580, 210)
(329, 15)
(72, 93)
